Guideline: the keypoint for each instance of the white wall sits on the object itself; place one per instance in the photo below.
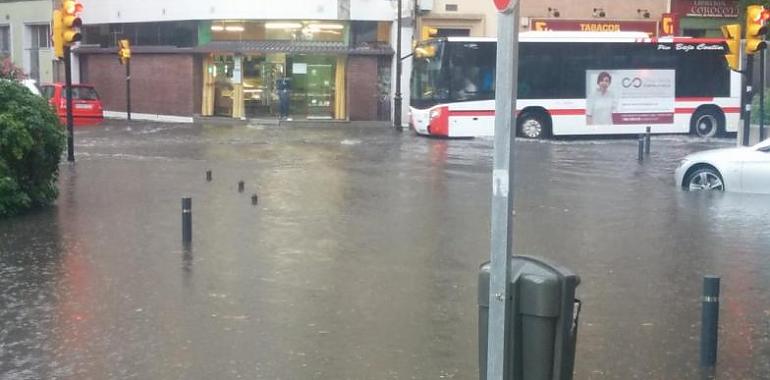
(374, 10)
(118, 11)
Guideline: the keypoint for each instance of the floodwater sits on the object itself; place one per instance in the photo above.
(360, 259)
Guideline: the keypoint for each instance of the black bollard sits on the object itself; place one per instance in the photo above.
(647, 141)
(187, 220)
(240, 186)
(208, 175)
(709, 321)
(641, 148)
(254, 199)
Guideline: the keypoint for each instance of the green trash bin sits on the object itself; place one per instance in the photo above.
(542, 323)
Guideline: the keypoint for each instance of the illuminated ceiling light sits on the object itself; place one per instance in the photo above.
(234, 28)
(283, 25)
(217, 28)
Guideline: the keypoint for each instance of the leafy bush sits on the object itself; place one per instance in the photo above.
(755, 109)
(31, 145)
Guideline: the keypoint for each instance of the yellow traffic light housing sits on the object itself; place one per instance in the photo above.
(71, 22)
(428, 32)
(124, 51)
(756, 30)
(57, 31)
(732, 34)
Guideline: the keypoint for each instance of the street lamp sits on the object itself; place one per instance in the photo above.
(397, 96)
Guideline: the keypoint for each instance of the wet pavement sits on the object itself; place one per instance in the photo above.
(360, 259)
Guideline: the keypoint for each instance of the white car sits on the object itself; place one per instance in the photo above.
(745, 169)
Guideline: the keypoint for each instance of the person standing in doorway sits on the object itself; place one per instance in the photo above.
(284, 95)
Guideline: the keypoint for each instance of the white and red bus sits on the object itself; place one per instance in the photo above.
(569, 83)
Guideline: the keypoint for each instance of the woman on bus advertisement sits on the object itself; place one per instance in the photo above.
(602, 102)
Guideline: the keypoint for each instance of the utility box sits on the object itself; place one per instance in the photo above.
(425, 5)
(542, 322)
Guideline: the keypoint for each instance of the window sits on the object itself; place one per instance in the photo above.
(450, 7)
(5, 40)
(47, 92)
(39, 34)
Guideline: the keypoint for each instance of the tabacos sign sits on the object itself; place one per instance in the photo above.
(542, 25)
(705, 8)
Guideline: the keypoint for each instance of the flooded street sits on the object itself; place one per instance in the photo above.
(360, 260)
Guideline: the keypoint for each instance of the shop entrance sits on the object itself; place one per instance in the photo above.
(260, 74)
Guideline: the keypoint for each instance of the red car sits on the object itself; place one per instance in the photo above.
(86, 106)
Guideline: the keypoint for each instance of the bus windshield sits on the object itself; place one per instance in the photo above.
(459, 71)
(428, 76)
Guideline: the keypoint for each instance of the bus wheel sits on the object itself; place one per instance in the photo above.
(531, 126)
(707, 122)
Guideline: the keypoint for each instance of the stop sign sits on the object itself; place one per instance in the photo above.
(504, 6)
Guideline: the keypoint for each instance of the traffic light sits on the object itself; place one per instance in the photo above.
(428, 32)
(124, 51)
(56, 34)
(732, 34)
(71, 22)
(756, 30)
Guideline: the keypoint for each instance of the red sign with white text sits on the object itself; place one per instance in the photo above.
(705, 8)
(649, 27)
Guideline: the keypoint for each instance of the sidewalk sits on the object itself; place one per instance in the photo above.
(753, 134)
(212, 120)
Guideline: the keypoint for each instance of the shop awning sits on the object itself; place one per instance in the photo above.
(293, 47)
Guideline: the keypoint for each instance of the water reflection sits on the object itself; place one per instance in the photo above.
(360, 259)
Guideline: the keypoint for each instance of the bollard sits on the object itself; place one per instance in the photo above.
(254, 199)
(647, 141)
(208, 175)
(240, 186)
(709, 321)
(641, 148)
(187, 219)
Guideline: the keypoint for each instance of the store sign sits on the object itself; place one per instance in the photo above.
(622, 97)
(705, 8)
(540, 25)
(669, 25)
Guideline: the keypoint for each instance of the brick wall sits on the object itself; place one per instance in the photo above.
(161, 84)
(362, 87)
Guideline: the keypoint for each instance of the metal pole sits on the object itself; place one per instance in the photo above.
(762, 58)
(747, 109)
(640, 155)
(498, 344)
(128, 89)
(647, 141)
(186, 219)
(709, 321)
(397, 96)
(68, 91)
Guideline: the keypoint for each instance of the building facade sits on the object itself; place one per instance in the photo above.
(24, 37)
(233, 59)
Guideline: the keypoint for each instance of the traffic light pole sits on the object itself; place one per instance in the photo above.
(397, 95)
(68, 84)
(128, 89)
(747, 98)
(762, 58)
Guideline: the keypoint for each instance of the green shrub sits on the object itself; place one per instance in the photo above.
(755, 109)
(31, 145)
